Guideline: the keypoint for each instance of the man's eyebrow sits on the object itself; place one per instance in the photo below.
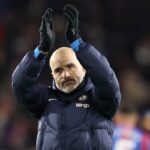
(57, 69)
(70, 64)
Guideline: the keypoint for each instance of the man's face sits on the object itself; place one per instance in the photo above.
(66, 70)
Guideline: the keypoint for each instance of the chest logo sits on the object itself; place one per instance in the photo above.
(51, 99)
(82, 105)
(82, 98)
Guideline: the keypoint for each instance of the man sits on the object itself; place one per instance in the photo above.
(76, 112)
(127, 135)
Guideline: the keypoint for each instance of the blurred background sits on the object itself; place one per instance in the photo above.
(120, 29)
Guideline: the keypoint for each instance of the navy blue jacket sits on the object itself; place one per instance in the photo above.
(81, 120)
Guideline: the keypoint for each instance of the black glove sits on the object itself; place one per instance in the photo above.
(47, 34)
(72, 31)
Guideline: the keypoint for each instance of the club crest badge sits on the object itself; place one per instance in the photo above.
(82, 98)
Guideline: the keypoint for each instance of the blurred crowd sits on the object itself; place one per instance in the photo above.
(120, 29)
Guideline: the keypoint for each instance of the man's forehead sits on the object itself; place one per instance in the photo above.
(63, 61)
(63, 55)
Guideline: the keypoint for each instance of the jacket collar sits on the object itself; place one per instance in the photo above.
(83, 88)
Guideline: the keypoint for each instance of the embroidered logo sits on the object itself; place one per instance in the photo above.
(51, 99)
(82, 105)
(82, 98)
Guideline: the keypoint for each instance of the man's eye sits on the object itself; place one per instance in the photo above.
(58, 70)
(70, 66)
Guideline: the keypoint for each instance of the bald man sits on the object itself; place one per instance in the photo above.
(75, 112)
(66, 69)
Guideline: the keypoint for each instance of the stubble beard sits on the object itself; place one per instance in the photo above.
(70, 88)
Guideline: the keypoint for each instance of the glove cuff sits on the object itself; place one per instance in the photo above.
(75, 44)
(38, 54)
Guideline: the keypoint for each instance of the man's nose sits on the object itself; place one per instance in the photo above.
(65, 74)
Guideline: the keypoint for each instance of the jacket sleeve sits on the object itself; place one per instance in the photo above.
(31, 94)
(106, 86)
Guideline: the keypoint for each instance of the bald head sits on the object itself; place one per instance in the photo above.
(60, 53)
(67, 71)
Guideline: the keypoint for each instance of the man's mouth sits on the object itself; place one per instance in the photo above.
(67, 82)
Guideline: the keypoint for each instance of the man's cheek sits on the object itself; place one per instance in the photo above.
(59, 83)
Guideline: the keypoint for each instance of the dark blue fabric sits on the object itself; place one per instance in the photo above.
(81, 120)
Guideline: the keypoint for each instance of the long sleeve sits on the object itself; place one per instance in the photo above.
(106, 86)
(31, 94)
